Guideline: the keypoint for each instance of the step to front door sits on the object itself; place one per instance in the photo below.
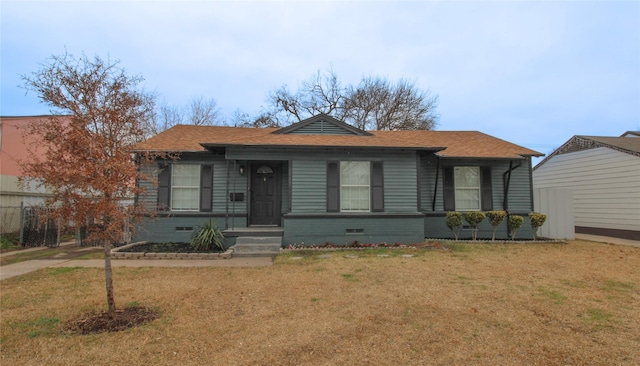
(248, 246)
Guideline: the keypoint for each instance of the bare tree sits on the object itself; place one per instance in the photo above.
(321, 93)
(88, 162)
(168, 116)
(203, 112)
(375, 103)
(243, 119)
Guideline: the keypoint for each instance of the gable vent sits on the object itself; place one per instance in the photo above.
(322, 127)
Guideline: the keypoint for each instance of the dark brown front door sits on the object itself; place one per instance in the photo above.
(265, 194)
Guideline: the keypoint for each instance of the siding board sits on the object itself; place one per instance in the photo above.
(605, 184)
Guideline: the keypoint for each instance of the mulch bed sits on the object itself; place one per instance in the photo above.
(129, 317)
(165, 248)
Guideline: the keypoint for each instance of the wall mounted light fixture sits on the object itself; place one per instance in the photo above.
(241, 170)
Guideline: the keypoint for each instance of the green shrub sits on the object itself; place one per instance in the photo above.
(473, 218)
(207, 236)
(9, 241)
(495, 218)
(454, 222)
(515, 222)
(536, 220)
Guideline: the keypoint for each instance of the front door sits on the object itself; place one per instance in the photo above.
(265, 194)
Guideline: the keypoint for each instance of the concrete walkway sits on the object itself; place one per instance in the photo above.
(21, 268)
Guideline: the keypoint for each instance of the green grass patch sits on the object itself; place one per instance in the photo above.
(349, 277)
(617, 286)
(598, 315)
(556, 297)
(10, 242)
(62, 270)
(41, 326)
(94, 255)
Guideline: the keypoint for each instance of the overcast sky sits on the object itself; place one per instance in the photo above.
(533, 73)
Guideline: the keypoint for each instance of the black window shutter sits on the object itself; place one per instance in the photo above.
(486, 190)
(206, 188)
(164, 187)
(377, 187)
(448, 189)
(333, 186)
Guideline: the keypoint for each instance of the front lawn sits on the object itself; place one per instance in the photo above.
(508, 304)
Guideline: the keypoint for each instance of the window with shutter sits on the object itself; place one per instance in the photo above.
(467, 188)
(355, 180)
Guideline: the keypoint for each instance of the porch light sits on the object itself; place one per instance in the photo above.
(241, 170)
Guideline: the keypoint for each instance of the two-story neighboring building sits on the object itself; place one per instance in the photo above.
(13, 148)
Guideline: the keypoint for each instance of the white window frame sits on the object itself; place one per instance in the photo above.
(345, 187)
(194, 188)
(458, 187)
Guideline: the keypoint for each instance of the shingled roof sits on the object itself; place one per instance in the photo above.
(628, 143)
(449, 144)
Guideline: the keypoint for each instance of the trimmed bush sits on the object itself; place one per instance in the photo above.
(515, 222)
(473, 218)
(536, 219)
(454, 222)
(495, 218)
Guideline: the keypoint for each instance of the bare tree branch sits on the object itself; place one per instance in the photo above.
(375, 103)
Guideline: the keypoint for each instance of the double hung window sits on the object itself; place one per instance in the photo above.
(185, 187)
(467, 188)
(354, 186)
(467, 183)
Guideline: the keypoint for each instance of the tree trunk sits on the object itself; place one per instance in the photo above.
(109, 280)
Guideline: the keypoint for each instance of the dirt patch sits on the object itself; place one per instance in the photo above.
(101, 322)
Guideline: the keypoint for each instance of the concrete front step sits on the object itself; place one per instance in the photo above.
(257, 246)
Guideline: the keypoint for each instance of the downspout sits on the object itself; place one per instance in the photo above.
(506, 181)
(226, 201)
(435, 189)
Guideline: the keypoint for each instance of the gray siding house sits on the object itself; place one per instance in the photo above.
(322, 181)
(603, 174)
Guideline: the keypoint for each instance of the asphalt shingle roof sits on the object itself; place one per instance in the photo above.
(189, 138)
(631, 144)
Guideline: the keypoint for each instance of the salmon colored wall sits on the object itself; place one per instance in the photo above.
(13, 145)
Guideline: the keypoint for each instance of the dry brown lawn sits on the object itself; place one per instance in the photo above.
(537, 304)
